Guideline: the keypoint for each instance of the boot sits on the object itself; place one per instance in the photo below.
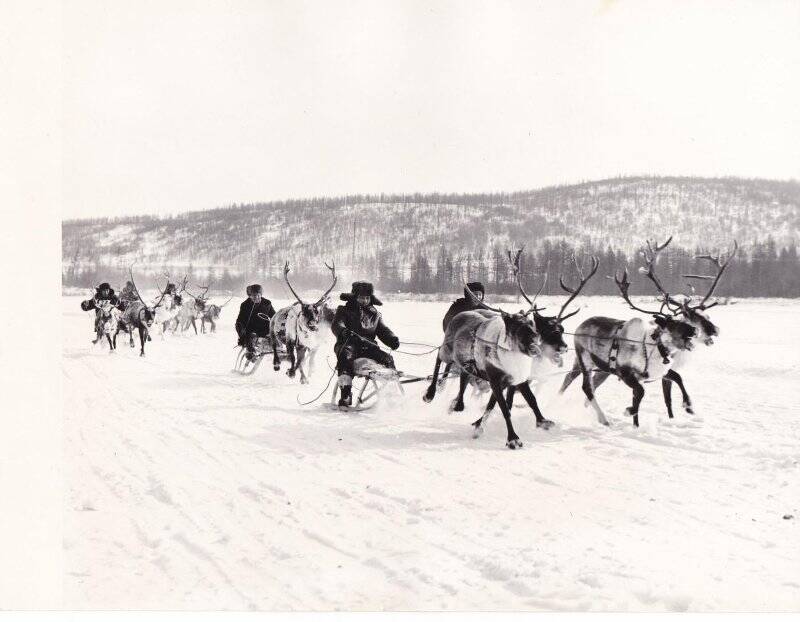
(346, 399)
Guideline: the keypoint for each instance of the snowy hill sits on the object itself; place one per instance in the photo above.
(401, 235)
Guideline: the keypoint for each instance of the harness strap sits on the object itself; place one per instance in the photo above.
(612, 356)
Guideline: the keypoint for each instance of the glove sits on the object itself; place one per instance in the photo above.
(394, 343)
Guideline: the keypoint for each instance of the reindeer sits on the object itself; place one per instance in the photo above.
(552, 347)
(211, 314)
(193, 310)
(694, 314)
(297, 327)
(106, 323)
(138, 315)
(633, 351)
(492, 346)
(168, 316)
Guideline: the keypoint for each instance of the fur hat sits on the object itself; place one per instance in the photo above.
(254, 289)
(361, 288)
(103, 286)
(475, 286)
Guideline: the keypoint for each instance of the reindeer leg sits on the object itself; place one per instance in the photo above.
(141, 340)
(638, 393)
(530, 398)
(666, 387)
(571, 375)
(512, 440)
(457, 405)
(676, 378)
(194, 325)
(213, 326)
(312, 354)
(445, 374)
(510, 396)
(110, 343)
(477, 425)
(301, 357)
(431, 392)
(276, 359)
(589, 392)
(292, 362)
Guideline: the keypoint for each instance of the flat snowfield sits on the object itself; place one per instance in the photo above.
(190, 487)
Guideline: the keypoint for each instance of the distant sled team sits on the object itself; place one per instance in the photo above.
(486, 347)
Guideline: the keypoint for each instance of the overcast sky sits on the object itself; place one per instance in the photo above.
(175, 106)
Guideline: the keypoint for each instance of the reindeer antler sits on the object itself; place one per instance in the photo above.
(286, 278)
(332, 268)
(202, 296)
(623, 285)
(477, 302)
(514, 261)
(720, 269)
(577, 290)
(650, 258)
(228, 300)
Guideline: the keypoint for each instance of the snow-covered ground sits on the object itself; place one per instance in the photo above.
(190, 487)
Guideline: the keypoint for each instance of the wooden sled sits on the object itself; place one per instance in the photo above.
(370, 380)
(247, 366)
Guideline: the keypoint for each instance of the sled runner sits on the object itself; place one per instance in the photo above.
(247, 366)
(370, 380)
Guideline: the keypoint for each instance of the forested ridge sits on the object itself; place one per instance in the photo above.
(431, 243)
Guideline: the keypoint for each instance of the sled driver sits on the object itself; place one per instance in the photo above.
(356, 325)
(103, 293)
(464, 304)
(250, 325)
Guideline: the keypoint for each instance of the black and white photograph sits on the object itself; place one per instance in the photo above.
(404, 306)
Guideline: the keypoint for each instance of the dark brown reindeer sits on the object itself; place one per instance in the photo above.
(138, 315)
(633, 351)
(297, 328)
(552, 346)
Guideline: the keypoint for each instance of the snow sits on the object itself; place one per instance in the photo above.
(189, 487)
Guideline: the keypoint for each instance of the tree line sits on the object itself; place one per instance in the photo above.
(760, 269)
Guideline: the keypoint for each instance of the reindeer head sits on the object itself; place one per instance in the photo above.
(522, 332)
(706, 330)
(694, 315)
(311, 313)
(673, 332)
(551, 328)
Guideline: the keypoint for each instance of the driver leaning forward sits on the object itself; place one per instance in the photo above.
(356, 325)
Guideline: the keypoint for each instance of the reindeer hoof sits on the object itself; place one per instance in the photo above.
(477, 431)
(428, 398)
(303, 380)
(276, 367)
(688, 408)
(545, 424)
(456, 406)
(514, 443)
(290, 373)
(141, 354)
